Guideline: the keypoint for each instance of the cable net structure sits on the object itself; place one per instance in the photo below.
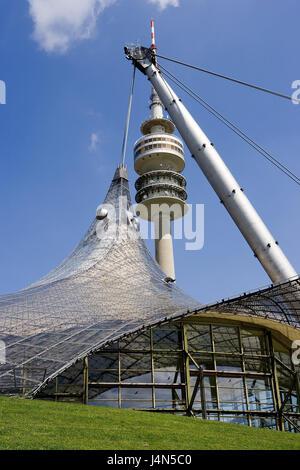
(279, 302)
(108, 286)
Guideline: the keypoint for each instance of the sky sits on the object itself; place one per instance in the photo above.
(67, 90)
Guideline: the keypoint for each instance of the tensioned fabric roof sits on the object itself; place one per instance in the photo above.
(108, 287)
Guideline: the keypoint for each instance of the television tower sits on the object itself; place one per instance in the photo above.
(161, 194)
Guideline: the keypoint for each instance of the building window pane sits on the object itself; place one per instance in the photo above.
(199, 338)
(253, 341)
(226, 339)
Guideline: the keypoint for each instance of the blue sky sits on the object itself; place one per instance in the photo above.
(62, 127)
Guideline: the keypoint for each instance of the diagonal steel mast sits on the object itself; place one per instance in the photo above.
(259, 238)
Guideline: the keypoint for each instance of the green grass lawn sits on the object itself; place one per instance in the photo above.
(34, 424)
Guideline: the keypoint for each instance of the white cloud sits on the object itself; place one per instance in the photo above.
(162, 4)
(57, 23)
(94, 140)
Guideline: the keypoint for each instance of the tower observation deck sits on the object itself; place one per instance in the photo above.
(161, 188)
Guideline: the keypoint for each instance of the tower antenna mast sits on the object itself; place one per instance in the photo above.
(153, 44)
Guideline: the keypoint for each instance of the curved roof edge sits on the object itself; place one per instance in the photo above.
(279, 303)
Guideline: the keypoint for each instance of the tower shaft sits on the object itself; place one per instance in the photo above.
(164, 254)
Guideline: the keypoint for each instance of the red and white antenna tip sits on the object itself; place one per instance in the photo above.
(153, 45)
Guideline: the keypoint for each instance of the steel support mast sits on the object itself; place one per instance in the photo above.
(259, 238)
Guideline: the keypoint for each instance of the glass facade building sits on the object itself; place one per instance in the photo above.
(212, 370)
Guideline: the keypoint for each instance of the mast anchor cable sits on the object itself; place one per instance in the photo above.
(124, 146)
(231, 126)
(235, 80)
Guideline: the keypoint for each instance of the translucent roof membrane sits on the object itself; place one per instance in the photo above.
(278, 302)
(108, 286)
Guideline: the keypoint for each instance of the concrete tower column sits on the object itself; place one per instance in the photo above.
(164, 254)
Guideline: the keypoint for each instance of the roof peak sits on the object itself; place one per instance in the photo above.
(121, 172)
